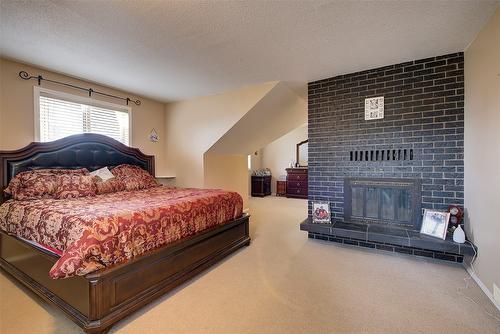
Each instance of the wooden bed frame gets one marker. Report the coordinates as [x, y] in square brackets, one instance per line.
[98, 300]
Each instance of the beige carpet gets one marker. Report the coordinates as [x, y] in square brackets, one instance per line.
[285, 283]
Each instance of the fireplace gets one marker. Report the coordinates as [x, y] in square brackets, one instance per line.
[387, 201]
[410, 159]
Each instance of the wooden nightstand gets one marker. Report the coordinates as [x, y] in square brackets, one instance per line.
[261, 185]
[280, 188]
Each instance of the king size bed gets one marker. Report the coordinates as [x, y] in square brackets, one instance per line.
[99, 258]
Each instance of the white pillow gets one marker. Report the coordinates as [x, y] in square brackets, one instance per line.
[103, 173]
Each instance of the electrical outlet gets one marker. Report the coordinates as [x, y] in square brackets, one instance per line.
[496, 293]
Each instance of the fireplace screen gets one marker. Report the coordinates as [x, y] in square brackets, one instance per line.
[383, 201]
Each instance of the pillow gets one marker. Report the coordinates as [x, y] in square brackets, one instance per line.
[38, 183]
[103, 174]
[74, 186]
[58, 171]
[134, 177]
[110, 186]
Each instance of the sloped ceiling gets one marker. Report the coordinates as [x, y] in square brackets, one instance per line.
[178, 50]
[280, 111]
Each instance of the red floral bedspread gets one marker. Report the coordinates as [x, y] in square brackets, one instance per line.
[95, 232]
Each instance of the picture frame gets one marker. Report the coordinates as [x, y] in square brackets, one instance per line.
[321, 212]
[153, 136]
[435, 223]
[374, 108]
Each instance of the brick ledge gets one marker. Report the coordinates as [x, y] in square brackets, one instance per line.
[378, 236]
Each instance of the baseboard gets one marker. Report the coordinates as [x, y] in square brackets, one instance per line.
[483, 287]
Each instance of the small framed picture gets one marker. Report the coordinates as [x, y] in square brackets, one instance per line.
[321, 212]
[153, 136]
[435, 223]
[374, 108]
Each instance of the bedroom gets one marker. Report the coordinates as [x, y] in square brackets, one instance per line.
[180, 94]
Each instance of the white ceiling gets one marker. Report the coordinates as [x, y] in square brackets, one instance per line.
[178, 50]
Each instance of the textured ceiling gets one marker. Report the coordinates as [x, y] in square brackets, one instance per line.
[177, 50]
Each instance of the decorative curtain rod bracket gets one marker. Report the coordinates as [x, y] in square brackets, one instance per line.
[26, 76]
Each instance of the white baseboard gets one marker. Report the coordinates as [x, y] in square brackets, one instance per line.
[483, 287]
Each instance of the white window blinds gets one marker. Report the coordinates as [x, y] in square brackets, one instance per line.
[61, 117]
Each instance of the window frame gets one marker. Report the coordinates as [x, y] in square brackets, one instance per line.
[37, 91]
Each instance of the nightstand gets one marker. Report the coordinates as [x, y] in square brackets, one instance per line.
[280, 188]
[261, 185]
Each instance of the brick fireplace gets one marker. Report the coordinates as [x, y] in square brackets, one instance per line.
[420, 139]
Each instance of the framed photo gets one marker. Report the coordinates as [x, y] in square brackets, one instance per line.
[321, 212]
[435, 223]
[153, 136]
[374, 108]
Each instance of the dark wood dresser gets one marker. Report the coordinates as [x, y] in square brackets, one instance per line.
[296, 182]
[261, 185]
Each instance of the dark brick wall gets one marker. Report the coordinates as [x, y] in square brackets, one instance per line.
[424, 111]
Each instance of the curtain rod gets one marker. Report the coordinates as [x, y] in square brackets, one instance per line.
[25, 76]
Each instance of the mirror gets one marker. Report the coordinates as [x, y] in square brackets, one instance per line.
[302, 153]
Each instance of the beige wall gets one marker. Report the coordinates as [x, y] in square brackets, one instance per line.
[218, 175]
[256, 160]
[279, 112]
[1, 105]
[223, 129]
[193, 126]
[277, 155]
[187, 129]
[17, 106]
[482, 149]
[255, 163]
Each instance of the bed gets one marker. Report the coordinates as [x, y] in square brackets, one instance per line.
[96, 294]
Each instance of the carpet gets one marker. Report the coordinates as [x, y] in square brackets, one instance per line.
[286, 283]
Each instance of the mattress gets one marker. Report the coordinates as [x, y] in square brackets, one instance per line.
[91, 233]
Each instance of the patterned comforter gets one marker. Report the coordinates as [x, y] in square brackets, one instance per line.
[94, 232]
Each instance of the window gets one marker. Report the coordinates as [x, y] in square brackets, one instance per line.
[58, 115]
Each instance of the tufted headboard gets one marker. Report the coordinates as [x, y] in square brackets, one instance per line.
[88, 150]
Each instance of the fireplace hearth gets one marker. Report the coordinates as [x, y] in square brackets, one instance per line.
[389, 201]
[385, 214]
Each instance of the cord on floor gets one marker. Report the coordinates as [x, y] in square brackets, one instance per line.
[467, 279]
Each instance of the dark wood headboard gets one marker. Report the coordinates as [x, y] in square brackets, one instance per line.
[88, 150]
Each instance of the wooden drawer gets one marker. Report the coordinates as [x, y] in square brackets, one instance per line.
[297, 177]
[297, 184]
[297, 192]
[302, 171]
